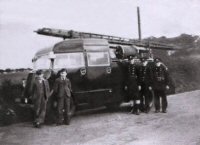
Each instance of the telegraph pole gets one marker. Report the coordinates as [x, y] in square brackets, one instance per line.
[139, 24]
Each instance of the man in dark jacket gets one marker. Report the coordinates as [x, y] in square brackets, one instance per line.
[161, 84]
[145, 85]
[62, 90]
[133, 88]
[41, 93]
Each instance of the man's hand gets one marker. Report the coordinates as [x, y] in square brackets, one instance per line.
[26, 100]
[125, 88]
[150, 88]
[167, 87]
[55, 104]
[139, 88]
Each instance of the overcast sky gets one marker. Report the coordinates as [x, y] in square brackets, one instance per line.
[19, 18]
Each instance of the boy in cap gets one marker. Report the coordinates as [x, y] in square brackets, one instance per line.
[41, 93]
[62, 89]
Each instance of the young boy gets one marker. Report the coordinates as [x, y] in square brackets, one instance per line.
[62, 89]
[41, 94]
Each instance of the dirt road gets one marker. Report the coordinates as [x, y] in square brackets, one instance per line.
[180, 126]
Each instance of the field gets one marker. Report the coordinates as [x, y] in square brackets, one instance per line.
[15, 78]
[10, 89]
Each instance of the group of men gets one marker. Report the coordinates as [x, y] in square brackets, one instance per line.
[147, 81]
[41, 93]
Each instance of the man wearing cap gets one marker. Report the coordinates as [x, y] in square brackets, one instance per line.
[133, 88]
[41, 93]
[62, 90]
[145, 85]
[161, 84]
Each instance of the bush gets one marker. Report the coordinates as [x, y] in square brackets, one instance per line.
[10, 91]
[10, 111]
[185, 73]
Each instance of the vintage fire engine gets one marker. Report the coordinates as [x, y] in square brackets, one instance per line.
[96, 65]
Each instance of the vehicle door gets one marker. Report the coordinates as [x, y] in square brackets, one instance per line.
[98, 74]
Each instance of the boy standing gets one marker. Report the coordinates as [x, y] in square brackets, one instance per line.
[40, 96]
[62, 89]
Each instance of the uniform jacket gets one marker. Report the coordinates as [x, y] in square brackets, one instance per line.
[145, 75]
[132, 82]
[133, 74]
[160, 77]
[62, 88]
[39, 91]
[133, 70]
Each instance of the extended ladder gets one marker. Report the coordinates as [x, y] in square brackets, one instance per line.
[70, 34]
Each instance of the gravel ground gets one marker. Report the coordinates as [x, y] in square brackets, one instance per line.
[180, 126]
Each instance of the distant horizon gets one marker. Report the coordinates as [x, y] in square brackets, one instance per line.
[31, 67]
[15, 68]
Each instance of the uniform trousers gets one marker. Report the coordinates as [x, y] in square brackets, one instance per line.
[160, 94]
[134, 92]
[144, 95]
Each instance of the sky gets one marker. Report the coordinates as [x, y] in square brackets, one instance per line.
[19, 18]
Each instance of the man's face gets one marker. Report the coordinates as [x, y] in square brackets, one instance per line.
[158, 63]
[132, 61]
[63, 74]
[144, 63]
[41, 76]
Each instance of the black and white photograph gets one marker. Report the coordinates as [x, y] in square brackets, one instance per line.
[99, 72]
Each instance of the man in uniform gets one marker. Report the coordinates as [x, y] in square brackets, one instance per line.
[145, 85]
[133, 88]
[41, 93]
[62, 90]
[161, 84]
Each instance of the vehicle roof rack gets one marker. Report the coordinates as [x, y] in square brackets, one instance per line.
[70, 34]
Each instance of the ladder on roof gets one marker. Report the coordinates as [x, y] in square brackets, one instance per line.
[70, 34]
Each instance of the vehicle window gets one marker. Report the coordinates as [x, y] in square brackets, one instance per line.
[112, 53]
[69, 60]
[42, 63]
[98, 59]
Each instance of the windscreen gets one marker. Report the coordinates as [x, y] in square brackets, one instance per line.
[42, 62]
[98, 59]
[69, 60]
